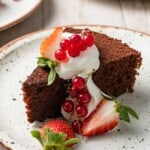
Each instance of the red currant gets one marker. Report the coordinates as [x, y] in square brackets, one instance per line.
[78, 83]
[83, 45]
[76, 126]
[75, 39]
[68, 106]
[73, 91]
[89, 40]
[60, 55]
[65, 44]
[73, 51]
[84, 97]
[81, 110]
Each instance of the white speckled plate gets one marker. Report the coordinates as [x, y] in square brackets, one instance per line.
[18, 59]
[15, 11]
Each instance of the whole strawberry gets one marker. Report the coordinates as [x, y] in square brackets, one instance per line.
[56, 135]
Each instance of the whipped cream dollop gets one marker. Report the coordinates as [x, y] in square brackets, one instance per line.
[95, 93]
[85, 63]
[82, 65]
[96, 97]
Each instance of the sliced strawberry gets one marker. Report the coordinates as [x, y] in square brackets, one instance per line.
[51, 44]
[103, 119]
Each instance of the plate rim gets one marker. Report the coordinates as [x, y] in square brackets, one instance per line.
[21, 18]
[11, 43]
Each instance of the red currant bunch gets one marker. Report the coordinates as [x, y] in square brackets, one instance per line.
[77, 104]
[73, 46]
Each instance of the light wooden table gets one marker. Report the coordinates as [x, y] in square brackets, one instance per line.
[132, 14]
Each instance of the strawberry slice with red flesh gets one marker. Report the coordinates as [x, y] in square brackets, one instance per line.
[106, 117]
[51, 44]
[103, 119]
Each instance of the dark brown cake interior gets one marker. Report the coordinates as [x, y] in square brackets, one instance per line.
[43, 101]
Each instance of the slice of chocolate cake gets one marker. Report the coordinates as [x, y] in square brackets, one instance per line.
[43, 101]
[119, 64]
[116, 75]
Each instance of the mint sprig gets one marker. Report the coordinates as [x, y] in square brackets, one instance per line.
[54, 141]
[45, 62]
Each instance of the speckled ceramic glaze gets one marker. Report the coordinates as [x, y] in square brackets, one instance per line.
[18, 59]
[13, 12]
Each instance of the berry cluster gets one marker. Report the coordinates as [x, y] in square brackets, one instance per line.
[73, 46]
[80, 97]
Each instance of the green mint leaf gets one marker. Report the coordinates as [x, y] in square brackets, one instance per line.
[131, 112]
[51, 76]
[42, 65]
[42, 62]
[45, 62]
[55, 64]
[42, 59]
[72, 141]
[50, 64]
[36, 134]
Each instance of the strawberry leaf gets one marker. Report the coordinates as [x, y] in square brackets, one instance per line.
[47, 147]
[125, 111]
[54, 141]
[36, 134]
[131, 112]
[124, 115]
[71, 141]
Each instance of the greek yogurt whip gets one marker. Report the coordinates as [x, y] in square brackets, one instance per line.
[82, 66]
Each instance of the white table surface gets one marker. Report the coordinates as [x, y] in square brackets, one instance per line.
[132, 14]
